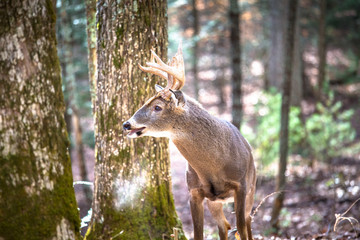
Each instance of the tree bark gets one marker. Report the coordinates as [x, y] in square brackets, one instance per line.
[297, 72]
[132, 195]
[322, 45]
[236, 79]
[220, 79]
[277, 19]
[195, 58]
[37, 199]
[285, 107]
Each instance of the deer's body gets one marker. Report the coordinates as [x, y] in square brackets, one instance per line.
[220, 162]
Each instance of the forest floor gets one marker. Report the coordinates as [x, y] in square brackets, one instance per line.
[313, 197]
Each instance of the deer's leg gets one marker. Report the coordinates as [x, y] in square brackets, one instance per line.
[248, 226]
[216, 210]
[197, 213]
[249, 204]
[240, 196]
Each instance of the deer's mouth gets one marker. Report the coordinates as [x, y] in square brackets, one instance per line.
[136, 132]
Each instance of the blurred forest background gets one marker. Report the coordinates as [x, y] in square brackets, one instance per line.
[324, 125]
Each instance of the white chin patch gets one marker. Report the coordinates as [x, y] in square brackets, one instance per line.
[157, 134]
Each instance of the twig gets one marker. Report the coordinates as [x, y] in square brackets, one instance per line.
[340, 217]
[262, 202]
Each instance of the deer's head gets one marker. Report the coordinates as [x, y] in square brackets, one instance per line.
[157, 116]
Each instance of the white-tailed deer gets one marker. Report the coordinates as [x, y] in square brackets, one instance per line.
[220, 162]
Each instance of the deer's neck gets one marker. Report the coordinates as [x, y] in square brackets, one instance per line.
[197, 136]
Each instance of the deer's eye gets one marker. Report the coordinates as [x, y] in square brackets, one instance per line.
[157, 108]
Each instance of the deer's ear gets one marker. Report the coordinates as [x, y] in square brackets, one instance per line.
[158, 88]
[179, 98]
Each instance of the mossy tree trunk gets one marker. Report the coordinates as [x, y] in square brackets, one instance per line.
[37, 198]
[132, 196]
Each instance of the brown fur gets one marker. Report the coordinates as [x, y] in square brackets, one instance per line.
[220, 162]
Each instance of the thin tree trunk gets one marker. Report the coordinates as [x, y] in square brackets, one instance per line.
[91, 40]
[220, 80]
[195, 58]
[322, 45]
[285, 107]
[37, 199]
[297, 72]
[132, 195]
[275, 71]
[68, 71]
[236, 79]
[79, 150]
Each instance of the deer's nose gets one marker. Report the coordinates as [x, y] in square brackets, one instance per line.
[126, 126]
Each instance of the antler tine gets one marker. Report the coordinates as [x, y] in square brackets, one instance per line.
[178, 63]
[173, 72]
[175, 68]
[154, 71]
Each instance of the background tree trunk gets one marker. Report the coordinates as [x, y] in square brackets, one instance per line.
[297, 72]
[285, 107]
[220, 79]
[275, 70]
[37, 198]
[235, 51]
[68, 72]
[132, 195]
[322, 45]
[195, 58]
[91, 41]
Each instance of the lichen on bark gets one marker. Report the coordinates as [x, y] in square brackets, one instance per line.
[132, 195]
[37, 199]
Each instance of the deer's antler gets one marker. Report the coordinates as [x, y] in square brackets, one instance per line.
[173, 72]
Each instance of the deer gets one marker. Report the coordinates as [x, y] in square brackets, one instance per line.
[220, 164]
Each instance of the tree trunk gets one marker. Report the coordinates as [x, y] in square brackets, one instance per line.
[277, 19]
[297, 72]
[195, 48]
[322, 45]
[68, 71]
[132, 195]
[236, 79]
[220, 79]
[79, 150]
[37, 199]
[285, 107]
[91, 40]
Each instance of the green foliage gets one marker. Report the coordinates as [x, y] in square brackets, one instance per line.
[266, 143]
[329, 130]
[326, 134]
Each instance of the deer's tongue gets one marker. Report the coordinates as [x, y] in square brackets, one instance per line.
[136, 130]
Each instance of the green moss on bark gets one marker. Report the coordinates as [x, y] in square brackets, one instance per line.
[132, 180]
[34, 216]
[37, 199]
